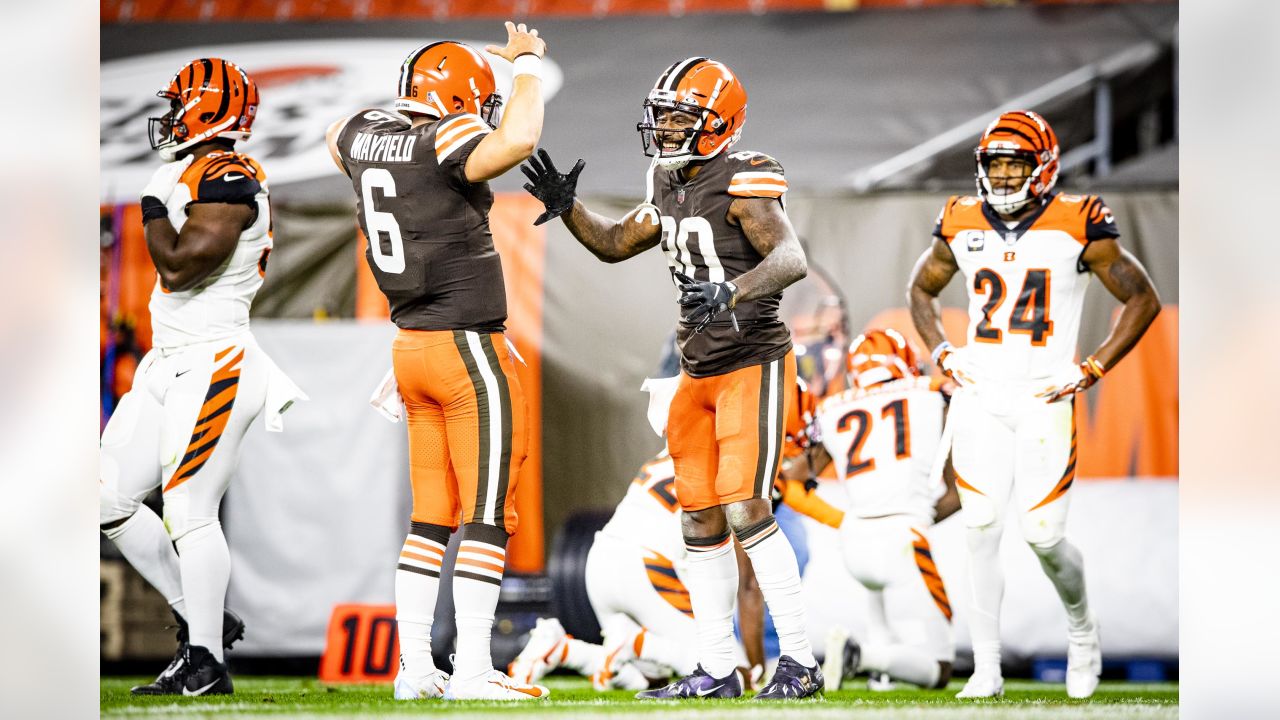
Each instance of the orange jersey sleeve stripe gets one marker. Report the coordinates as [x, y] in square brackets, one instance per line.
[446, 137]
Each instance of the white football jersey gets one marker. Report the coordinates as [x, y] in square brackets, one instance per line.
[1026, 284]
[649, 514]
[219, 306]
[883, 441]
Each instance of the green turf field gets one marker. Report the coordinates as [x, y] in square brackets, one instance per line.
[278, 697]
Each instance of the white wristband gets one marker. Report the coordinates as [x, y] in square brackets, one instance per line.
[527, 64]
[938, 350]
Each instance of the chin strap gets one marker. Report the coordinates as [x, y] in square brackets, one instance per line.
[649, 211]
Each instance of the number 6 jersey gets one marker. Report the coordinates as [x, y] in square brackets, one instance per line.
[428, 227]
[1026, 283]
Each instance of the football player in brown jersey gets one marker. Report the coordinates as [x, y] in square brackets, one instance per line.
[719, 218]
[420, 176]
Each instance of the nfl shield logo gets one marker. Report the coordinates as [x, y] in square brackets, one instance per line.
[680, 195]
[1010, 237]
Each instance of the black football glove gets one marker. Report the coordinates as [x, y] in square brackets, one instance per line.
[703, 301]
[554, 189]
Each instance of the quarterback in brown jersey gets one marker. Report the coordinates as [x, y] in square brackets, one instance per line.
[420, 176]
[719, 217]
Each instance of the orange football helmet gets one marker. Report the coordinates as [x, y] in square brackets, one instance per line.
[447, 77]
[880, 356]
[804, 407]
[1024, 135]
[208, 98]
[709, 91]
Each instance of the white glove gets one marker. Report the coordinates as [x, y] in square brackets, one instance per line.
[955, 364]
[166, 179]
[1076, 379]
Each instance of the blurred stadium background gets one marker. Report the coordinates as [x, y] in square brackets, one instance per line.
[873, 108]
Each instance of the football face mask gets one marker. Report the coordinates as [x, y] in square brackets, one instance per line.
[670, 130]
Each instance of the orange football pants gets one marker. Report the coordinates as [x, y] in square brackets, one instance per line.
[725, 433]
[467, 425]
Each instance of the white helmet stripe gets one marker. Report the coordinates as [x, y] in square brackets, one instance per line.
[677, 73]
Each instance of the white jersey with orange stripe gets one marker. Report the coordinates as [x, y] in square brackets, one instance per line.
[649, 514]
[883, 442]
[218, 307]
[1026, 283]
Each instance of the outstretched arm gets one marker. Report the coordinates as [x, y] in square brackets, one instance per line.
[767, 227]
[931, 274]
[1128, 281]
[517, 135]
[611, 240]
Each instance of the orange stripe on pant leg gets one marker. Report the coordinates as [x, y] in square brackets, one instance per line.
[962, 483]
[929, 572]
[1068, 475]
[212, 419]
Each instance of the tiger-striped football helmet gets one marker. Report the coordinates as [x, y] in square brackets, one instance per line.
[879, 356]
[1022, 135]
[208, 98]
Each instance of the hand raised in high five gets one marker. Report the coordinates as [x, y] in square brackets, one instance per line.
[554, 188]
[520, 40]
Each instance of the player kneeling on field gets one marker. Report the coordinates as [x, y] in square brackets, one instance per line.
[884, 434]
[633, 578]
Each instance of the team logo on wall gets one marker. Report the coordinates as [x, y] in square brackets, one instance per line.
[304, 86]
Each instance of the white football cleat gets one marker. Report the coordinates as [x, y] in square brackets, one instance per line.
[493, 685]
[984, 684]
[547, 648]
[1084, 661]
[833, 665]
[424, 688]
[623, 642]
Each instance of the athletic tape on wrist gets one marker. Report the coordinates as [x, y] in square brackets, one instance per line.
[937, 351]
[527, 64]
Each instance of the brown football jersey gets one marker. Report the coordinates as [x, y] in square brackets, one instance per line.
[428, 227]
[700, 242]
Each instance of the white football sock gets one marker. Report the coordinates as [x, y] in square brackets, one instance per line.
[671, 652]
[206, 569]
[1064, 565]
[477, 581]
[712, 580]
[986, 584]
[902, 662]
[145, 544]
[417, 585]
[778, 575]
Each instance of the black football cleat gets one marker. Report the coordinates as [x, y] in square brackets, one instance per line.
[170, 680]
[204, 675]
[792, 681]
[697, 685]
